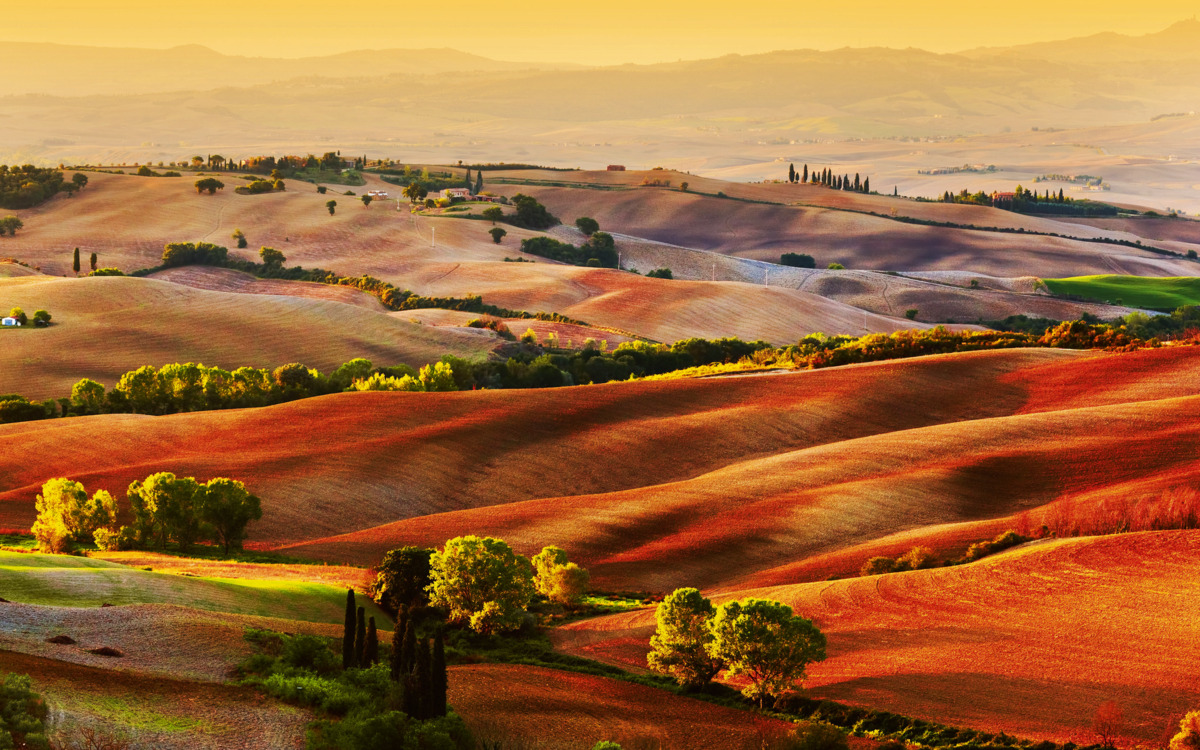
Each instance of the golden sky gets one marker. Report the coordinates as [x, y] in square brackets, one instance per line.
[609, 32]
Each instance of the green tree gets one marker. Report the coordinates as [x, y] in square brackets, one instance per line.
[271, 257]
[493, 213]
[87, 397]
[764, 642]
[414, 192]
[478, 181]
[366, 200]
[80, 180]
[482, 583]
[348, 632]
[531, 214]
[10, 225]
[497, 233]
[356, 369]
[557, 579]
[240, 237]
[587, 225]
[19, 314]
[331, 205]
[228, 508]
[401, 578]
[681, 641]
[59, 508]
[371, 651]
[209, 184]
[322, 189]
[75, 263]
[170, 508]
[360, 637]
[93, 261]
[440, 681]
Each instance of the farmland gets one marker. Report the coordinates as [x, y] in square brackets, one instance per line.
[1151, 293]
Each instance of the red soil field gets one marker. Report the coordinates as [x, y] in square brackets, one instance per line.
[563, 710]
[1030, 642]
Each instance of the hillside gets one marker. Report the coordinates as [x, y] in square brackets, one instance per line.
[124, 323]
[1028, 642]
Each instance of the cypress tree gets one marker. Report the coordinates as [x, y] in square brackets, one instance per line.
[468, 179]
[478, 181]
[411, 703]
[76, 260]
[804, 178]
[440, 681]
[348, 632]
[866, 184]
[791, 173]
[93, 261]
[857, 183]
[398, 642]
[408, 651]
[424, 675]
[845, 182]
[360, 638]
[1060, 195]
[371, 650]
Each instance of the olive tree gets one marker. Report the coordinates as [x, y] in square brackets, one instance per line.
[482, 583]
[763, 641]
[681, 640]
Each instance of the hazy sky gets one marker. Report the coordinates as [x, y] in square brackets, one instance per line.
[610, 32]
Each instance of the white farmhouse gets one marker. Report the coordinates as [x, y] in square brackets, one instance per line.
[9, 322]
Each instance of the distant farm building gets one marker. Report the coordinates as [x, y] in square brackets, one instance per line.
[616, 167]
[1003, 198]
[10, 322]
[377, 193]
[457, 194]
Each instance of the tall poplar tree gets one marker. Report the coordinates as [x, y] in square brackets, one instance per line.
[360, 638]
[76, 266]
[804, 178]
[348, 632]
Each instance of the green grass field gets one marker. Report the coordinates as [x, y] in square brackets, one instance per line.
[65, 581]
[1133, 291]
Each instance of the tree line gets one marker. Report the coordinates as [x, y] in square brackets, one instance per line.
[827, 178]
[27, 186]
[164, 509]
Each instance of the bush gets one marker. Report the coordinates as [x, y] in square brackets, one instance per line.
[660, 273]
[797, 260]
[587, 225]
[911, 313]
[836, 267]
[816, 736]
[107, 272]
[878, 566]
[22, 714]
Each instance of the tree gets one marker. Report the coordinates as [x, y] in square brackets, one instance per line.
[467, 182]
[679, 646]
[414, 192]
[240, 237]
[366, 200]
[401, 578]
[498, 233]
[93, 260]
[557, 579]
[75, 263]
[79, 180]
[321, 189]
[331, 205]
[19, 314]
[791, 173]
[482, 583]
[228, 507]
[397, 643]
[587, 225]
[209, 184]
[360, 637]
[493, 213]
[478, 181]
[168, 507]
[1189, 733]
[1108, 723]
[87, 397]
[441, 682]
[59, 508]
[804, 177]
[683, 186]
[348, 632]
[531, 214]
[763, 641]
[271, 257]
[408, 648]
[9, 225]
[866, 185]
[371, 650]
[142, 390]
[797, 260]
[424, 675]
[660, 273]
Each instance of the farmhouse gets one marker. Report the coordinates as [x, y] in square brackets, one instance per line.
[616, 167]
[457, 194]
[9, 322]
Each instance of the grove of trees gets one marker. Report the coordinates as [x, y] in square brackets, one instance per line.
[164, 508]
[599, 251]
[28, 186]
[758, 639]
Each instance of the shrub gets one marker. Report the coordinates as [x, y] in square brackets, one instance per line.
[911, 313]
[107, 272]
[587, 225]
[797, 260]
[660, 273]
[1189, 733]
[878, 566]
[916, 558]
[816, 736]
[22, 714]
[836, 267]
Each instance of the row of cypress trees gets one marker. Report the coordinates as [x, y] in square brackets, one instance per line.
[827, 178]
[418, 665]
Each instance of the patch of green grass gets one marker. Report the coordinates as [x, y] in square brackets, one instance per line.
[18, 542]
[139, 713]
[61, 580]
[326, 177]
[1133, 291]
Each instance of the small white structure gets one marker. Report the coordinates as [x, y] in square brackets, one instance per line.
[10, 322]
[461, 194]
[377, 193]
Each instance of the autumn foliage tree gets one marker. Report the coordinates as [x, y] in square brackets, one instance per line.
[763, 641]
[681, 640]
[1189, 733]
[481, 583]
[557, 579]
[1108, 723]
